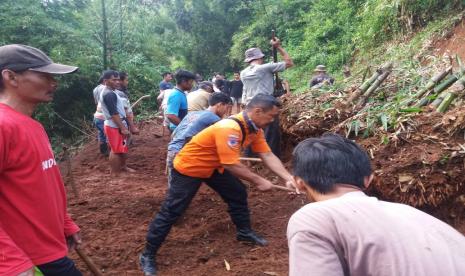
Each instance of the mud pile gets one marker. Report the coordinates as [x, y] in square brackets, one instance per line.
[420, 163]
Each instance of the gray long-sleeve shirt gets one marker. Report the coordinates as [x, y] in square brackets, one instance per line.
[359, 235]
[258, 79]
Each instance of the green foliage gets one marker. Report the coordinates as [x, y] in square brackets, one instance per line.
[333, 32]
[148, 37]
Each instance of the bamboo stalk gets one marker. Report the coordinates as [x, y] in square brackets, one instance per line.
[438, 89]
[433, 82]
[364, 86]
[370, 81]
[367, 71]
[381, 78]
[445, 84]
[438, 100]
[448, 99]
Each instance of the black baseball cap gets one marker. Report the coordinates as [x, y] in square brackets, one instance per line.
[17, 57]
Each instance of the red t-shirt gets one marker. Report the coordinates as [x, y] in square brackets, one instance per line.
[33, 217]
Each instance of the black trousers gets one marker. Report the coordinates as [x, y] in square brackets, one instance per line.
[61, 267]
[273, 139]
[180, 194]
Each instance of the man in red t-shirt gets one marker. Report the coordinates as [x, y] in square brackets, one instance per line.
[35, 227]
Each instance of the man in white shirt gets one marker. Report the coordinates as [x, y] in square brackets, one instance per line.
[346, 232]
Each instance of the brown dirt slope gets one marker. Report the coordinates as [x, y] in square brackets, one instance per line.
[422, 165]
[453, 43]
[114, 213]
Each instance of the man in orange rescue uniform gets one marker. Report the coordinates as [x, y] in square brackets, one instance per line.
[212, 156]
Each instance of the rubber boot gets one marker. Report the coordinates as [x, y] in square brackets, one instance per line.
[248, 235]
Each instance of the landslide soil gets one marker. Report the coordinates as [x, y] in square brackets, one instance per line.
[114, 214]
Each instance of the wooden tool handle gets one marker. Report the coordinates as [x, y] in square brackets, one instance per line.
[90, 264]
[250, 159]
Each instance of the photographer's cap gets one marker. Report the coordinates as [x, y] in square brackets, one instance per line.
[17, 57]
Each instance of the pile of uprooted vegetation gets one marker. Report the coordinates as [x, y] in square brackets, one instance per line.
[417, 147]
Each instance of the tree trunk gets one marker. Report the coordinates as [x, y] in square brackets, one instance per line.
[121, 25]
[105, 36]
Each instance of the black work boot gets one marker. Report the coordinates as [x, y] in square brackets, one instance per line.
[147, 264]
[248, 235]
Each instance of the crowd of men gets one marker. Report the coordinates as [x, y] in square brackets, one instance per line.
[342, 232]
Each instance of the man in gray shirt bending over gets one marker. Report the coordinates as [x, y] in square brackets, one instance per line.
[258, 79]
[346, 232]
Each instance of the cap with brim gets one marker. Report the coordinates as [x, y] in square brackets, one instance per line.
[55, 68]
[320, 68]
[253, 54]
[17, 57]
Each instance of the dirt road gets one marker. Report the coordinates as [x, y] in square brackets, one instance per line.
[114, 214]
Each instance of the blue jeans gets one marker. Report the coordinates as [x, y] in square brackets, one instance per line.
[101, 134]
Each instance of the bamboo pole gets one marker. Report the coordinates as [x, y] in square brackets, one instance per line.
[367, 71]
[445, 84]
[364, 86]
[381, 78]
[438, 90]
[433, 82]
[448, 99]
[438, 100]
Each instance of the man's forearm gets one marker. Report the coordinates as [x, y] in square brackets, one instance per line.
[117, 120]
[130, 118]
[173, 119]
[241, 171]
[287, 59]
[275, 165]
